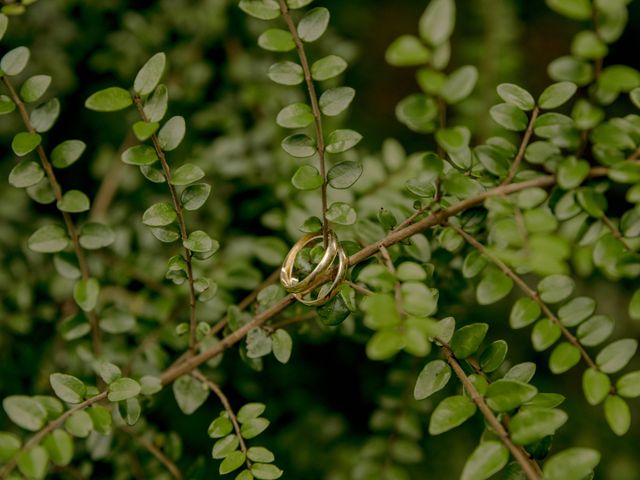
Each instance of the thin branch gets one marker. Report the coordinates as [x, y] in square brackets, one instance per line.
[225, 403]
[397, 287]
[616, 232]
[313, 97]
[182, 225]
[68, 220]
[409, 220]
[528, 291]
[290, 321]
[359, 288]
[523, 147]
[156, 452]
[57, 423]
[530, 468]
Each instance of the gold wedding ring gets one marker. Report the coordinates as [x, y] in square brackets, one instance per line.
[302, 287]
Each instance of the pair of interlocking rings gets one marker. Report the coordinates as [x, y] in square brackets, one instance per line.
[302, 288]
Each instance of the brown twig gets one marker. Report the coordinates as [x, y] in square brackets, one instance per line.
[68, 220]
[182, 225]
[225, 403]
[313, 97]
[531, 293]
[523, 147]
[57, 423]
[616, 232]
[156, 452]
[529, 467]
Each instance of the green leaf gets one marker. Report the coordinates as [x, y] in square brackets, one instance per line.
[172, 133]
[190, 394]
[336, 100]
[595, 330]
[466, 340]
[156, 106]
[588, 45]
[286, 73]
[281, 345]
[194, 196]
[224, 446]
[493, 287]
[453, 139]
[544, 334]
[509, 116]
[572, 172]
[313, 25]
[340, 141]
[344, 174]
[14, 61]
[299, 146]
[575, 9]
[33, 463]
[460, 84]
[437, 22]
[159, 215]
[522, 372]
[407, 51]
[571, 69]
[532, 424]
[297, 115]
[564, 357]
[596, 386]
[110, 99]
[232, 462]
[618, 415]
[276, 40]
[143, 130]
[505, 395]
[25, 142]
[150, 385]
[74, 201]
[67, 387]
[85, 293]
[557, 95]
[434, 377]
[150, 74]
[616, 356]
[516, 96]
[524, 312]
[26, 174]
[94, 236]
[25, 412]
[262, 9]
[450, 413]
[341, 213]
[79, 424]
[4, 23]
[294, 4]
[493, 356]
[254, 427]
[555, 288]
[44, 117]
[629, 385]
[6, 105]
[573, 463]
[122, 389]
[265, 471]
[48, 239]
[10, 444]
[140, 155]
[67, 153]
[199, 242]
[260, 454]
[220, 427]
[385, 344]
[418, 112]
[488, 458]
[59, 446]
[250, 411]
[328, 67]
[307, 178]
[108, 371]
[418, 299]
[33, 88]
[619, 78]
[187, 174]
[635, 96]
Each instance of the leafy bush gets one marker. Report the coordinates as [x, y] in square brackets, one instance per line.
[123, 290]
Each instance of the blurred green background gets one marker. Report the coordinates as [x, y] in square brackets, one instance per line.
[321, 403]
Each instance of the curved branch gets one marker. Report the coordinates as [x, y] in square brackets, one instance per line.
[68, 220]
[523, 147]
